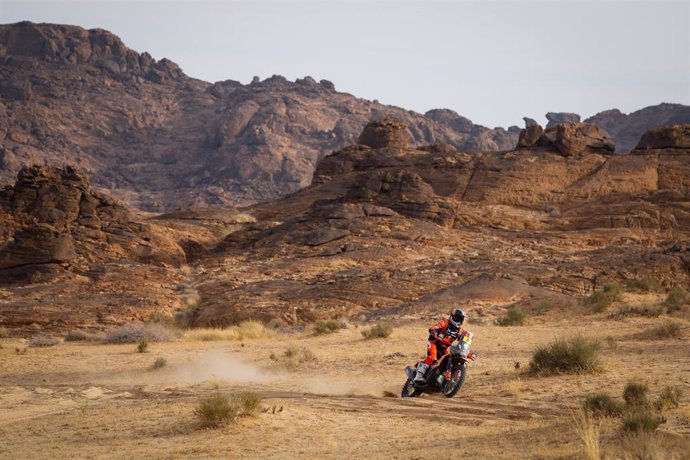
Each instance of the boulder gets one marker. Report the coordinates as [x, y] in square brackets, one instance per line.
[575, 138]
[530, 136]
[665, 137]
[530, 122]
[385, 132]
[557, 118]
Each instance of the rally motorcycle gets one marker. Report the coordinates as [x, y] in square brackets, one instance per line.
[446, 375]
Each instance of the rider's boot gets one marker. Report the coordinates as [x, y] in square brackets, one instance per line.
[421, 370]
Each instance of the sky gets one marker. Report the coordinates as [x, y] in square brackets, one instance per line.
[491, 61]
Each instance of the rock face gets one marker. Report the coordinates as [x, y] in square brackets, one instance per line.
[626, 129]
[569, 138]
[157, 139]
[575, 138]
[666, 137]
[556, 119]
[385, 133]
[52, 219]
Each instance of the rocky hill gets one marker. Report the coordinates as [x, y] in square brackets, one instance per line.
[158, 139]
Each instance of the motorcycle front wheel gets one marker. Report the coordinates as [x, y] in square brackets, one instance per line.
[451, 387]
[409, 390]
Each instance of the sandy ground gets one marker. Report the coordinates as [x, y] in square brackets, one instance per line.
[78, 400]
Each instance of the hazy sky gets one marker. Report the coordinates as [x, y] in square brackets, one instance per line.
[491, 61]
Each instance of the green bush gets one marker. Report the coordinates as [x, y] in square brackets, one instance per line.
[640, 421]
[513, 317]
[669, 398]
[381, 330]
[635, 396]
[646, 284]
[602, 405]
[577, 354]
[667, 330]
[676, 298]
[326, 327]
[599, 301]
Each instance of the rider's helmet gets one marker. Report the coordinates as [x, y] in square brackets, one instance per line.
[457, 317]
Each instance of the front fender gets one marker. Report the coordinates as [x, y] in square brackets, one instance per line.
[410, 372]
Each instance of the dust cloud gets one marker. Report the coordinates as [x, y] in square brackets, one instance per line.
[220, 365]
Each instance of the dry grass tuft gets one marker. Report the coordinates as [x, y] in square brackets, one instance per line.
[602, 405]
[638, 421]
[326, 327]
[3, 332]
[574, 355]
[588, 432]
[676, 298]
[219, 409]
[599, 301]
[635, 396]
[43, 341]
[142, 345]
[669, 398]
[159, 363]
[514, 317]
[645, 284]
[667, 330]
[246, 330]
[79, 335]
[134, 332]
[380, 330]
[243, 218]
[647, 311]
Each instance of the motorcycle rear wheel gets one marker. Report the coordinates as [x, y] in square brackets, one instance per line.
[409, 390]
[451, 387]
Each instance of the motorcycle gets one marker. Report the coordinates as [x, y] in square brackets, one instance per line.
[446, 375]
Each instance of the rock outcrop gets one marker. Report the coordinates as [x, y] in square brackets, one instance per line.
[559, 118]
[666, 137]
[568, 138]
[385, 133]
[53, 220]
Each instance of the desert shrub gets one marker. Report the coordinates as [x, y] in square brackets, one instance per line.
[210, 334]
[669, 398]
[142, 345]
[514, 317]
[80, 335]
[667, 330]
[637, 421]
[599, 301]
[134, 332]
[577, 354]
[676, 298]
[43, 341]
[159, 363]
[380, 330]
[190, 299]
[326, 327]
[247, 402]
[298, 355]
[243, 218]
[3, 332]
[183, 318]
[635, 396]
[218, 409]
[640, 446]
[602, 405]
[645, 284]
[647, 311]
[248, 330]
[542, 307]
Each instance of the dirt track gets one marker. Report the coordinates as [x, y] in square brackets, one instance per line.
[82, 400]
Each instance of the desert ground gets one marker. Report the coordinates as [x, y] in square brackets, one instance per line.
[92, 400]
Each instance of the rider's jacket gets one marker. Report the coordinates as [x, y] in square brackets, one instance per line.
[445, 332]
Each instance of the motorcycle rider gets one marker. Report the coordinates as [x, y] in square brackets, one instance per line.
[441, 336]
